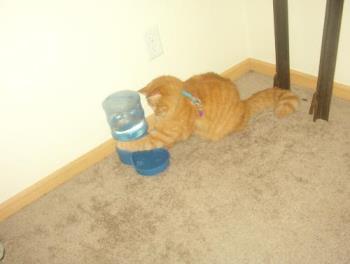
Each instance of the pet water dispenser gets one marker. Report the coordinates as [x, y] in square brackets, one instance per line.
[126, 120]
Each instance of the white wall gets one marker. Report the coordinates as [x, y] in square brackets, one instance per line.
[306, 20]
[60, 59]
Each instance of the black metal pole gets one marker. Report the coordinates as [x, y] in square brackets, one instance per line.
[280, 11]
[321, 101]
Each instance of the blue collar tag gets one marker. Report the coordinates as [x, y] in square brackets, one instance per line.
[195, 101]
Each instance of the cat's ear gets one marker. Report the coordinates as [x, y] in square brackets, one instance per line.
[153, 99]
[144, 90]
[153, 94]
[151, 90]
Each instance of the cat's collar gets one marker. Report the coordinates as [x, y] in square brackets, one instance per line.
[195, 101]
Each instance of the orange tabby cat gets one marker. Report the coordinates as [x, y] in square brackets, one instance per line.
[206, 105]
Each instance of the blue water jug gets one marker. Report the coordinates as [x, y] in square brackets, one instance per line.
[125, 115]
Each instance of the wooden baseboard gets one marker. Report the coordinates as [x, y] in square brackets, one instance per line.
[64, 174]
[55, 179]
[237, 70]
[298, 78]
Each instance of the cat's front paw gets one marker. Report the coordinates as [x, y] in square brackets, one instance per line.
[126, 145]
[135, 145]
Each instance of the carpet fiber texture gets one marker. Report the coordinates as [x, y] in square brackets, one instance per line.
[277, 192]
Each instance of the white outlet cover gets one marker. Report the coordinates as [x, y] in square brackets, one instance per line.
[153, 43]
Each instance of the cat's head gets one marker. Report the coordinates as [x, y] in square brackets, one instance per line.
[162, 94]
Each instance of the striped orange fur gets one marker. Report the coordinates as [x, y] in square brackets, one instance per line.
[176, 118]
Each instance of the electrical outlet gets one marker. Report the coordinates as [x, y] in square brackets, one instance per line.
[153, 43]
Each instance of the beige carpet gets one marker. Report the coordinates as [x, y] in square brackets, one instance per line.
[278, 192]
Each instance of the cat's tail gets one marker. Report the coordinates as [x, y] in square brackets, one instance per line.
[283, 102]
